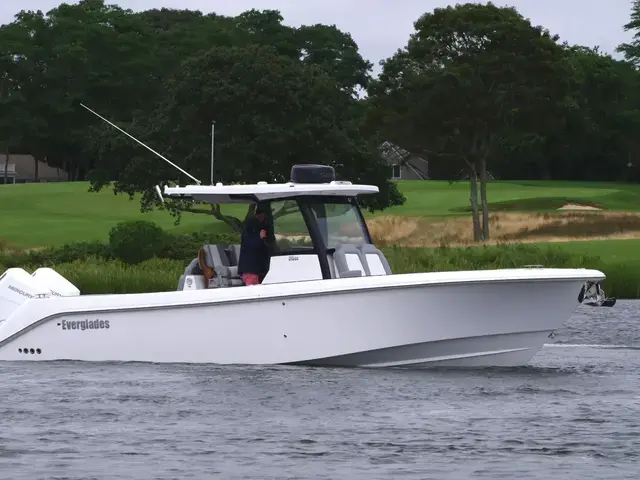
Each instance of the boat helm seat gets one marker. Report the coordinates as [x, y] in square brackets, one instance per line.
[375, 260]
[233, 252]
[216, 267]
[350, 262]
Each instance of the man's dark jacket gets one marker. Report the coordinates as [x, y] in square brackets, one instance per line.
[254, 251]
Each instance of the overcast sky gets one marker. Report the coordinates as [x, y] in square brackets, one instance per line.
[379, 27]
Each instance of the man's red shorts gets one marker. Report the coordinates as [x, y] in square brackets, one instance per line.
[250, 279]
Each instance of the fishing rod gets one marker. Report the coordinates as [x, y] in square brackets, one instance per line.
[145, 146]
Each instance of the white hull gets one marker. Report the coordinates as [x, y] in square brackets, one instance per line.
[481, 318]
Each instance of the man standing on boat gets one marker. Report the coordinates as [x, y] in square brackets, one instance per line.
[254, 260]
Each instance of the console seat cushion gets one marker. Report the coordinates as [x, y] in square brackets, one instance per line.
[349, 261]
[214, 262]
[233, 253]
[375, 260]
[193, 268]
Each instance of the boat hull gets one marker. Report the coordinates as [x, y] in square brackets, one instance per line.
[416, 321]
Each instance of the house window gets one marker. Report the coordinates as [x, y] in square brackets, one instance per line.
[395, 171]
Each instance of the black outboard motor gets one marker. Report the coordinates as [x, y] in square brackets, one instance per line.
[593, 295]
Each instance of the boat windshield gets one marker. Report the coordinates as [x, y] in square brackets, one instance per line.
[339, 221]
[290, 229]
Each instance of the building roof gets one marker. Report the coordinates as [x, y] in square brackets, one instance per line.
[393, 153]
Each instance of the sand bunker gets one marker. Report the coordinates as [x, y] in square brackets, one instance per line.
[577, 206]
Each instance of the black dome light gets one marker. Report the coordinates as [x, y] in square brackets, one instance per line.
[310, 173]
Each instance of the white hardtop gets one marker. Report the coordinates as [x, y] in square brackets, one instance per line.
[220, 193]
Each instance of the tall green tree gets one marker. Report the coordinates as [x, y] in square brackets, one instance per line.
[602, 123]
[15, 120]
[22, 57]
[336, 53]
[271, 112]
[631, 50]
[129, 66]
[593, 135]
[468, 74]
[73, 53]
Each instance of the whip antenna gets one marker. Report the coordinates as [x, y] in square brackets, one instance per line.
[145, 146]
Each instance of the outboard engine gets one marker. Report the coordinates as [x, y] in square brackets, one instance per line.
[16, 287]
[59, 286]
[593, 295]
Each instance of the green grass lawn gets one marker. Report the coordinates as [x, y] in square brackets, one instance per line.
[34, 215]
[437, 198]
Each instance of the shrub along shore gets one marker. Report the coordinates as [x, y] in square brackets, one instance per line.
[142, 257]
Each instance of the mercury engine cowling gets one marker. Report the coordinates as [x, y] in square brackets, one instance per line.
[59, 286]
[16, 287]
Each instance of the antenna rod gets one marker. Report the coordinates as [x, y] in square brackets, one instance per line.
[148, 148]
[213, 132]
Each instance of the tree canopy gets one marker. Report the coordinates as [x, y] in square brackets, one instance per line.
[477, 90]
[279, 95]
[470, 77]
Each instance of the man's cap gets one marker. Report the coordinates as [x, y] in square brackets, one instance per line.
[260, 209]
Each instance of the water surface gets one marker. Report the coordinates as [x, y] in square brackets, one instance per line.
[574, 413]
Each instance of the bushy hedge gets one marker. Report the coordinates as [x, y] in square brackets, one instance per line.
[137, 241]
[129, 243]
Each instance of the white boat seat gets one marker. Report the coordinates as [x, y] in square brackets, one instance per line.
[192, 269]
[375, 260]
[349, 261]
[215, 264]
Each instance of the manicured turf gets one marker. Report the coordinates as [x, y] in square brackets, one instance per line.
[34, 215]
[427, 198]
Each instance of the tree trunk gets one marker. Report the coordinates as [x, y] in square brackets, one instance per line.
[36, 168]
[473, 184]
[483, 199]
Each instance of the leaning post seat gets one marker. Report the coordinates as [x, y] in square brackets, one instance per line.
[192, 269]
[233, 252]
[217, 268]
[350, 262]
[375, 260]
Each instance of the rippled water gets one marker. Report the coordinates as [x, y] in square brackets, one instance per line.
[574, 413]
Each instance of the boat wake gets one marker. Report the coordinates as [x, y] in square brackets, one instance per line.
[591, 345]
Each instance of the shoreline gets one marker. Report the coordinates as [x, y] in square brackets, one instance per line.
[101, 273]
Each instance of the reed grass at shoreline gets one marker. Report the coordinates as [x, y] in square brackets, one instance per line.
[95, 275]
